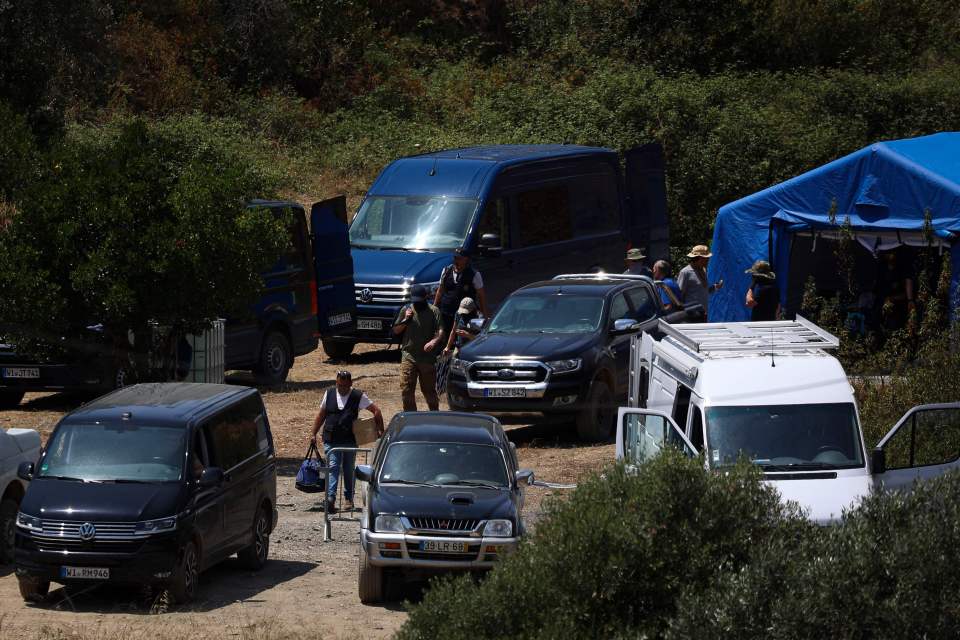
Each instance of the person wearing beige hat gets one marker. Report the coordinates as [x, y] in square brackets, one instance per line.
[636, 263]
[763, 297]
[693, 279]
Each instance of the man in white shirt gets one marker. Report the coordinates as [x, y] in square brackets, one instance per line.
[341, 406]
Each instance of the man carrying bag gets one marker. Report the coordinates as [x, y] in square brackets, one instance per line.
[341, 406]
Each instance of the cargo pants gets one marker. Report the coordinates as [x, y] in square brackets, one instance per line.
[410, 372]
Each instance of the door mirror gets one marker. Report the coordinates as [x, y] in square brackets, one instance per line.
[210, 477]
[878, 461]
[524, 476]
[476, 324]
[624, 325]
[25, 471]
[364, 472]
[490, 245]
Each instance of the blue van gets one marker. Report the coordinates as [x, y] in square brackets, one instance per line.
[524, 212]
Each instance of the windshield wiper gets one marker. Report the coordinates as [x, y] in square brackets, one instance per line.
[66, 478]
[477, 483]
[414, 483]
[795, 466]
[131, 481]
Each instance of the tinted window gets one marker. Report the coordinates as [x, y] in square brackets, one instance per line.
[544, 215]
[444, 463]
[495, 220]
[235, 434]
[644, 306]
[594, 200]
[928, 437]
[548, 314]
[619, 308]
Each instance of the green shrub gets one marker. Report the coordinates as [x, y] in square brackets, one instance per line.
[616, 557]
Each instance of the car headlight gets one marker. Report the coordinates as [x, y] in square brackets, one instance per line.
[28, 522]
[565, 366]
[388, 524]
[155, 526]
[459, 366]
[431, 288]
[498, 529]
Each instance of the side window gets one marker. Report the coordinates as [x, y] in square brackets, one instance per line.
[929, 437]
[595, 200]
[294, 256]
[644, 307]
[234, 434]
[681, 405]
[200, 457]
[619, 308]
[696, 428]
[544, 215]
[644, 436]
[494, 219]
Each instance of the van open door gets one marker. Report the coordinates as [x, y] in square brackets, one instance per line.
[643, 434]
[647, 226]
[333, 267]
[924, 444]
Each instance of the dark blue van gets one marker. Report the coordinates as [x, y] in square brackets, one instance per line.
[525, 213]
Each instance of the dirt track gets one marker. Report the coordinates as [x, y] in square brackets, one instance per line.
[308, 588]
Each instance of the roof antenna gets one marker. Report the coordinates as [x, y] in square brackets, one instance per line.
[433, 169]
[773, 363]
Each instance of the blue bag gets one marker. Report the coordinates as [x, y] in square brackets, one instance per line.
[309, 479]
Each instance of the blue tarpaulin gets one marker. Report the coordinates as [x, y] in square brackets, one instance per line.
[884, 190]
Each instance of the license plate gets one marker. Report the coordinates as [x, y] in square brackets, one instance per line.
[442, 546]
[368, 323]
[85, 573]
[505, 392]
[21, 372]
[339, 318]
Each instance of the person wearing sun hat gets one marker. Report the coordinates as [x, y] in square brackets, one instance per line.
[636, 265]
[763, 296]
[692, 279]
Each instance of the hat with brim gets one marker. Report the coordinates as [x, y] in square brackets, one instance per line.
[467, 306]
[700, 251]
[635, 254]
[762, 269]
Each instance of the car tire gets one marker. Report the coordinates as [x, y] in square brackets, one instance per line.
[596, 419]
[32, 588]
[370, 579]
[254, 556]
[10, 399]
[276, 357]
[186, 577]
[338, 350]
[8, 528]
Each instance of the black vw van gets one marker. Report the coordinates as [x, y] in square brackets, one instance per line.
[149, 485]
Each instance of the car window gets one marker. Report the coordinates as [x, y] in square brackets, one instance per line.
[595, 200]
[494, 220]
[619, 308]
[444, 463]
[567, 313]
[929, 437]
[644, 306]
[544, 215]
[235, 433]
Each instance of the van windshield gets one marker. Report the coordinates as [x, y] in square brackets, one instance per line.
[111, 453]
[785, 437]
[412, 222]
[558, 313]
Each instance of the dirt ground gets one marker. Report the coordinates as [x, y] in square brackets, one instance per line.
[309, 587]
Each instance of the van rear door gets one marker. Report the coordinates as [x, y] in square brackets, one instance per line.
[647, 225]
[924, 444]
[333, 267]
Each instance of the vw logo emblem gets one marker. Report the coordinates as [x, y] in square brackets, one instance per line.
[366, 295]
[87, 532]
[505, 373]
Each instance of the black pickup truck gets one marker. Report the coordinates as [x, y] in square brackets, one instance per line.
[561, 346]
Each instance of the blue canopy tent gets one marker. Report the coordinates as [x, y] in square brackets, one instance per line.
[884, 190]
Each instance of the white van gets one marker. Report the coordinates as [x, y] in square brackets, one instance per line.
[769, 391]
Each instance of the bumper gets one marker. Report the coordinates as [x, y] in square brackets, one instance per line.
[555, 395]
[149, 562]
[482, 553]
[55, 377]
[374, 325]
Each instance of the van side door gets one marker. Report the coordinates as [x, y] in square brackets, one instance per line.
[648, 225]
[336, 304]
[207, 503]
[243, 450]
[495, 262]
[642, 434]
[924, 444]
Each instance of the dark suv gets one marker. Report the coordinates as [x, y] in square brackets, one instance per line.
[149, 485]
[560, 346]
[444, 492]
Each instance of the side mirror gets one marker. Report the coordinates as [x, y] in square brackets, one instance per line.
[524, 476]
[624, 325]
[490, 245]
[878, 461]
[364, 472]
[210, 477]
[477, 323]
[25, 471]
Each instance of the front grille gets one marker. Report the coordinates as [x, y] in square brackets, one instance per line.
[392, 294]
[104, 530]
[65, 545]
[508, 372]
[444, 525]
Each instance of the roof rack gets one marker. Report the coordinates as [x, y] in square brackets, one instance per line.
[751, 337]
[601, 276]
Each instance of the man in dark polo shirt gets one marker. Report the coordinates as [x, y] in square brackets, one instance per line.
[458, 281]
